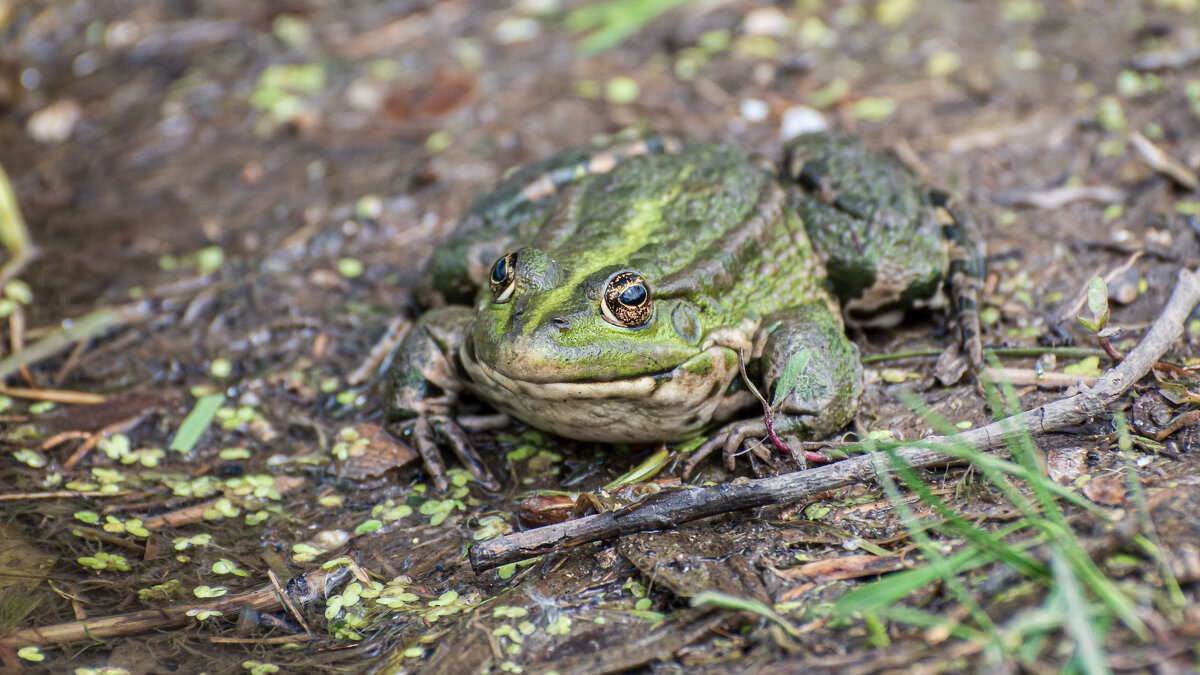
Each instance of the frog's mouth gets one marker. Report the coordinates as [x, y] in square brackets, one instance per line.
[669, 405]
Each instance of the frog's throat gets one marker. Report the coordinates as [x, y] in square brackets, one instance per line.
[668, 406]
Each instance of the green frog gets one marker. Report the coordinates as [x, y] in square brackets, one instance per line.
[614, 293]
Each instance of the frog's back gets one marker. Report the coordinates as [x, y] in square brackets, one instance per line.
[704, 221]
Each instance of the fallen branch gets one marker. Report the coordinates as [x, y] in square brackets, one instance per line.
[265, 599]
[672, 508]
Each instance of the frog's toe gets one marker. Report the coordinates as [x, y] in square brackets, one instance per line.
[426, 434]
[699, 454]
[457, 439]
[730, 440]
[422, 435]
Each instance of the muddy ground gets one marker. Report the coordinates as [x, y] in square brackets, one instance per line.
[253, 187]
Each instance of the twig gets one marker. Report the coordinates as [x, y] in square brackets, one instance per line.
[1160, 161]
[61, 494]
[114, 428]
[384, 347]
[275, 640]
[1176, 58]
[52, 395]
[1027, 376]
[264, 599]
[1059, 196]
[673, 507]
[1183, 421]
[86, 327]
[287, 602]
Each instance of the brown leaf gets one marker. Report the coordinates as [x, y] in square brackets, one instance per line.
[539, 510]
[444, 92]
[381, 454]
[845, 567]
[1106, 491]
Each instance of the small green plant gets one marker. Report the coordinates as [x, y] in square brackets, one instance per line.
[1076, 595]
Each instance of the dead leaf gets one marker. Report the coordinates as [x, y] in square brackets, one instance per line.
[1106, 491]
[381, 453]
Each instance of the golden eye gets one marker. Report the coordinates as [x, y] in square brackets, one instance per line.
[626, 301]
[504, 272]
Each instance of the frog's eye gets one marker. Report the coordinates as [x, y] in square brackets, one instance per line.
[626, 300]
[504, 272]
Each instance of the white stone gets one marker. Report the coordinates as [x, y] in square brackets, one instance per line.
[801, 119]
[55, 123]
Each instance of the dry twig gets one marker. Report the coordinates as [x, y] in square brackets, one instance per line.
[264, 599]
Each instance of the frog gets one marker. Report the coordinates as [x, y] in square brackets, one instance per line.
[627, 290]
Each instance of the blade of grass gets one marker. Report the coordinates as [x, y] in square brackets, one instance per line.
[985, 460]
[915, 617]
[893, 587]
[196, 422]
[615, 20]
[644, 471]
[1152, 546]
[1082, 565]
[957, 525]
[726, 601]
[1078, 615]
[932, 555]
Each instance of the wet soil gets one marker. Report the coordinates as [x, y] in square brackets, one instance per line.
[258, 184]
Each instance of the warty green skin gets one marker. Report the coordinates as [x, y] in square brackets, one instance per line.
[730, 267]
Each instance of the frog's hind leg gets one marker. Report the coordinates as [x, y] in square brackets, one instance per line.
[826, 390]
[888, 240]
[965, 272]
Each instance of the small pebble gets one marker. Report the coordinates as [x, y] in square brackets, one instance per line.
[511, 31]
[766, 21]
[366, 94]
[55, 123]
[755, 110]
[799, 120]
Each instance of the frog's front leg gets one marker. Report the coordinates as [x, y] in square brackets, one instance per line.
[426, 384]
[826, 392]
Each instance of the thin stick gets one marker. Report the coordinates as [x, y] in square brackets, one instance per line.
[673, 507]
[86, 327]
[264, 599]
[287, 602]
[53, 395]
[379, 352]
[61, 494]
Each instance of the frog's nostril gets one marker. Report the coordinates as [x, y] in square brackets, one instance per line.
[560, 323]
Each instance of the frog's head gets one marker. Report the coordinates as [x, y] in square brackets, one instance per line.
[541, 323]
[594, 353]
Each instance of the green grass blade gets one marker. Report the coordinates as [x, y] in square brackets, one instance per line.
[1078, 616]
[916, 617]
[934, 557]
[956, 524]
[892, 588]
[196, 422]
[726, 601]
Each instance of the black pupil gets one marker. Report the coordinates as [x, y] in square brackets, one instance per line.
[500, 270]
[633, 296]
